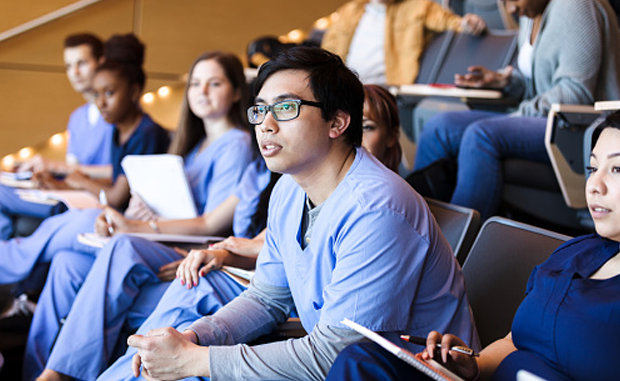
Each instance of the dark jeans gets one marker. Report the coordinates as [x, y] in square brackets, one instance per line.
[479, 141]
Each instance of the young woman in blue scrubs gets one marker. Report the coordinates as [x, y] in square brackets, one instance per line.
[567, 325]
[118, 83]
[130, 274]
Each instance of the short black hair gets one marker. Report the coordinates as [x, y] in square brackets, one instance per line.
[94, 42]
[331, 82]
[124, 54]
[611, 121]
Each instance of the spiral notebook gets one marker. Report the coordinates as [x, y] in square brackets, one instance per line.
[431, 368]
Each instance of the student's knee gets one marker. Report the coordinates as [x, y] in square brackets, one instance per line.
[437, 126]
[69, 266]
[438, 140]
[480, 137]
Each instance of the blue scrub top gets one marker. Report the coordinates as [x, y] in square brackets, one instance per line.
[255, 179]
[376, 256]
[568, 322]
[147, 139]
[89, 144]
[213, 174]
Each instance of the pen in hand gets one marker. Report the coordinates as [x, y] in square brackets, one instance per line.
[103, 200]
[422, 341]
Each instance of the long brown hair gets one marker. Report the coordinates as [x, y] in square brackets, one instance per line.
[383, 109]
[190, 129]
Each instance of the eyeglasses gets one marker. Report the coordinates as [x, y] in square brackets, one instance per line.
[281, 111]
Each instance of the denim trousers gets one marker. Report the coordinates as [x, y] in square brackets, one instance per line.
[479, 141]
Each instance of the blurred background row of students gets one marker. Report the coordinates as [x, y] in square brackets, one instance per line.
[229, 180]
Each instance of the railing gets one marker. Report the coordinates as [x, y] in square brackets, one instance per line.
[64, 11]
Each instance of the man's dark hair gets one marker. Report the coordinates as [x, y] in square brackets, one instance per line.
[94, 42]
[331, 82]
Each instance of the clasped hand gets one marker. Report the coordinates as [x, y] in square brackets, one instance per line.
[167, 354]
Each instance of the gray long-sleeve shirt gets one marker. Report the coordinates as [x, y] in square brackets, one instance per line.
[255, 313]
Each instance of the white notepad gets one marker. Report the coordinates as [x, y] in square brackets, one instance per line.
[160, 181]
[95, 240]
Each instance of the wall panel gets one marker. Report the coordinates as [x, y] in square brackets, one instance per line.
[36, 99]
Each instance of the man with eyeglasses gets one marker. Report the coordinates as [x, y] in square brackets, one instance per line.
[346, 238]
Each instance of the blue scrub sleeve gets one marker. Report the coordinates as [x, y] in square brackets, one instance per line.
[227, 171]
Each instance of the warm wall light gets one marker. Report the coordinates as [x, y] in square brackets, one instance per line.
[148, 98]
[163, 91]
[57, 139]
[322, 23]
[25, 153]
[295, 35]
[8, 162]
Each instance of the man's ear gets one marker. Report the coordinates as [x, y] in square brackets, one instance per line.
[340, 123]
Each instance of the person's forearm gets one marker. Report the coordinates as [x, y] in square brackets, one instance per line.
[493, 355]
[308, 358]
[256, 312]
[217, 222]
[118, 193]
[243, 262]
[95, 186]
[191, 226]
[58, 167]
[96, 171]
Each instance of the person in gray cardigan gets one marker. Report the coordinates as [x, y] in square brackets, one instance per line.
[569, 52]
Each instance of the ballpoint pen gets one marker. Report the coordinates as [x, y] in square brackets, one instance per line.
[103, 200]
[456, 348]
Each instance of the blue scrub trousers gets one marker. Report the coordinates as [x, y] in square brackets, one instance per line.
[117, 295]
[480, 140]
[12, 205]
[65, 277]
[19, 256]
[178, 308]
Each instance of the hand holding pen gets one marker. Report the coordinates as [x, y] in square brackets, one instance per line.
[457, 348]
[103, 200]
[453, 351]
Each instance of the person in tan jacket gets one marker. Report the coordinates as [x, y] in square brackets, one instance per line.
[399, 28]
